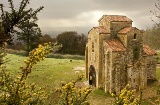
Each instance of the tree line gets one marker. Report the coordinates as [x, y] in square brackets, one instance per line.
[152, 37]
[71, 41]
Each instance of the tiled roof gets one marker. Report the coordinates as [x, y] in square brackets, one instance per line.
[127, 29]
[102, 29]
[115, 18]
[115, 45]
[148, 50]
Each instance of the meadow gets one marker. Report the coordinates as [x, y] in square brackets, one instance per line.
[49, 72]
[52, 71]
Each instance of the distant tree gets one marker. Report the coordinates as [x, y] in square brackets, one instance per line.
[46, 38]
[69, 42]
[19, 46]
[72, 43]
[11, 18]
[82, 44]
[54, 40]
[156, 13]
[152, 36]
[29, 33]
[16, 46]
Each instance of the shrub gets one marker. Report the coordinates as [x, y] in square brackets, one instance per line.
[15, 91]
[127, 97]
[70, 95]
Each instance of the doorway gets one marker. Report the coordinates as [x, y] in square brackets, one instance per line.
[92, 76]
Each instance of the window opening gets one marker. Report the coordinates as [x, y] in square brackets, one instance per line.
[92, 47]
[135, 36]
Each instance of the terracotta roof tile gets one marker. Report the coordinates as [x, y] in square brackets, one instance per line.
[115, 18]
[148, 50]
[115, 45]
[101, 29]
[127, 29]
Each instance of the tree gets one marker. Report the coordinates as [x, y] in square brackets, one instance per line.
[155, 13]
[69, 42]
[29, 33]
[16, 46]
[46, 38]
[82, 44]
[72, 43]
[10, 19]
[152, 36]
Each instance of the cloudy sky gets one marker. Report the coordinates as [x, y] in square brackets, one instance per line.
[82, 15]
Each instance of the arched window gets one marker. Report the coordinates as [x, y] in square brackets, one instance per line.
[135, 36]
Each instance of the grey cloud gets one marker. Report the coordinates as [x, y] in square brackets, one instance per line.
[72, 8]
[137, 10]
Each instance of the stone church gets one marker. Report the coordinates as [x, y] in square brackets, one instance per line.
[115, 55]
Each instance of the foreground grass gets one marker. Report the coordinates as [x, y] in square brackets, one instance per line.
[48, 73]
[158, 73]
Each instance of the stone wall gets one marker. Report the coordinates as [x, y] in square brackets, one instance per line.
[105, 23]
[150, 67]
[115, 27]
[102, 37]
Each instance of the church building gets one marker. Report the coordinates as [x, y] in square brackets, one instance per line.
[115, 55]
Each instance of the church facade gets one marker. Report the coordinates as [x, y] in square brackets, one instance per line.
[115, 55]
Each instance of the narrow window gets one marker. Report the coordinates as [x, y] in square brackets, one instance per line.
[135, 36]
[92, 47]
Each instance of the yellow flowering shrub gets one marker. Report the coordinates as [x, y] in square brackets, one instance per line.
[2, 55]
[127, 97]
[15, 91]
[70, 95]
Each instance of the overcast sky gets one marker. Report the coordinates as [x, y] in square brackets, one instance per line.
[82, 15]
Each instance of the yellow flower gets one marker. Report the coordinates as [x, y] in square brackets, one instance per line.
[112, 95]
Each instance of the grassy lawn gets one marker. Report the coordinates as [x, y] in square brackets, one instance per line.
[99, 97]
[48, 73]
[158, 73]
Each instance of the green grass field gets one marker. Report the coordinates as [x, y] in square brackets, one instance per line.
[49, 72]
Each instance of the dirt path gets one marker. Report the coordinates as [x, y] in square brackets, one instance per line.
[79, 68]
